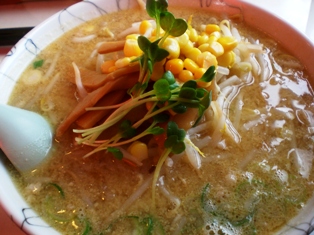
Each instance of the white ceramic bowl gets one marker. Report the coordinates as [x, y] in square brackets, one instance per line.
[28, 47]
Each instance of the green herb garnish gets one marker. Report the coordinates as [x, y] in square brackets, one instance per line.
[38, 64]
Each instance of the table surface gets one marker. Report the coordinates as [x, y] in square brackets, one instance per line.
[299, 13]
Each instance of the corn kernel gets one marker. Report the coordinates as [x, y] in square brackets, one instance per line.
[203, 47]
[190, 65]
[185, 75]
[210, 28]
[132, 36]
[123, 62]
[228, 43]
[131, 48]
[139, 150]
[203, 84]
[202, 39]
[193, 54]
[193, 36]
[105, 67]
[144, 26]
[174, 65]
[216, 49]
[187, 47]
[212, 38]
[198, 73]
[206, 59]
[227, 59]
[161, 32]
[215, 34]
[183, 39]
[172, 46]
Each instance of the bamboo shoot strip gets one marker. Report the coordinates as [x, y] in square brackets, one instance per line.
[122, 82]
[92, 80]
[90, 118]
[107, 47]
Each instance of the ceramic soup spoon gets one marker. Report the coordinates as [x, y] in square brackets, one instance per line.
[25, 137]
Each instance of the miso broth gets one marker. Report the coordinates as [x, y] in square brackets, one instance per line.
[252, 167]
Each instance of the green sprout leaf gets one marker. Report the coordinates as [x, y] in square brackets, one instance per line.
[171, 25]
[180, 108]
[156, 130]
[162, 90]
[154, 8]
[209, 75]
[116, 152]
[126, 129]
[161, 117]
[175, 138]
[204, 104]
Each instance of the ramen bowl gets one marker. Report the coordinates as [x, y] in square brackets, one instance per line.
[41, 36]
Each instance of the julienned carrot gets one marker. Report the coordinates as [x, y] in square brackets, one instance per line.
[90, 118]
[92, 80]
[119, 83]
[107, 47]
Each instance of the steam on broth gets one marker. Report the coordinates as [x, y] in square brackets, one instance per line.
[247, 165]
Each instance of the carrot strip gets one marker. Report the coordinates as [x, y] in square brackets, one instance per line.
[107, 47]
[90, 118]
[119, 83]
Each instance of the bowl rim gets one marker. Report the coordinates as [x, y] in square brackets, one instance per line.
[249, 11]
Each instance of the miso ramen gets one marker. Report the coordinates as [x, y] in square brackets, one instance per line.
[201, 128]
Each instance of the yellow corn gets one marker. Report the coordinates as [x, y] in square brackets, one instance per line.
[172, 46]
[202, 39]
[228, 43]
[139, 150]
[183, 39]
[186, 48]
[203, 84]
[162, 32]
[193, 54]
[210, 28]
[190, 65]
[131, 48]
[174, 65]
[123, 62]
[206, 59]
[215, 34]
[106, 66]
[144, 26]
[198, 74]
[216, 48]
[185, 75]
[213, 38]
[132, 36]
[227, 59]
[193, 35]
[203, 47]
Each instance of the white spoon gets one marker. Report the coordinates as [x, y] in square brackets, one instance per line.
[25, 137]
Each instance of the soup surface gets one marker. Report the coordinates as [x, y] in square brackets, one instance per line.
[247, 165]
